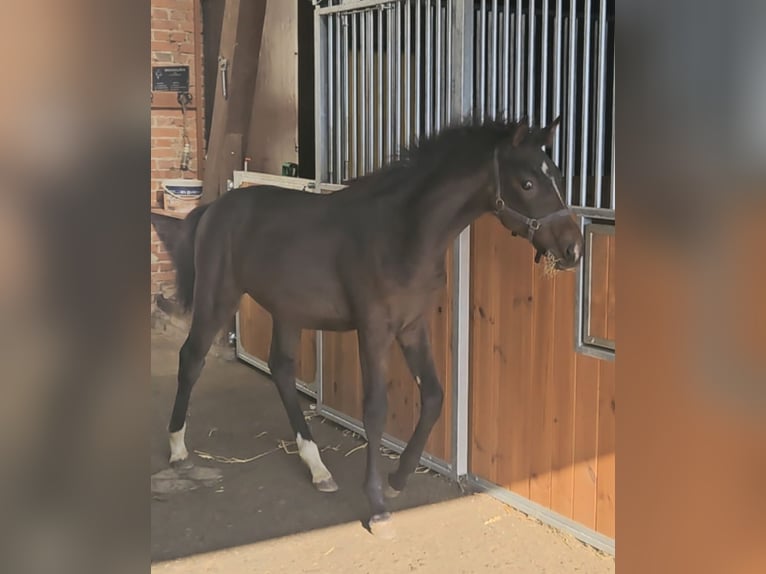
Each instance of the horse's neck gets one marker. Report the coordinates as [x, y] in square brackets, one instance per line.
[448, 208]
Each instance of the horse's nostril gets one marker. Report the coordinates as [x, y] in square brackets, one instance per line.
[573, 251]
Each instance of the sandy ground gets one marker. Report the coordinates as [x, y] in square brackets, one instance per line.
[264, 516]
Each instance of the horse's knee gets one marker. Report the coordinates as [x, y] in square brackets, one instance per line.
[432, 396]
[282, 368]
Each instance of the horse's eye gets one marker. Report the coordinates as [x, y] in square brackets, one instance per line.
[527, 185]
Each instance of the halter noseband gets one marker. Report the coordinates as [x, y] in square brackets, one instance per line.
[531, 224]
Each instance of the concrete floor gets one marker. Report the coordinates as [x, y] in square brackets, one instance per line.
[265, 516]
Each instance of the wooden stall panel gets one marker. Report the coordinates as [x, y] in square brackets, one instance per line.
[541, 415]
[255, 338]
[342, 388]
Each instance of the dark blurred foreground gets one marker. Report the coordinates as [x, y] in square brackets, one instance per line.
[74, 172]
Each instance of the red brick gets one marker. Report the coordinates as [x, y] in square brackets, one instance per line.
[166, 266]
[164, 276]
[164, 47]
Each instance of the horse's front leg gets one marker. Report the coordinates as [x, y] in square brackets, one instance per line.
[416, 349]
[374, 346]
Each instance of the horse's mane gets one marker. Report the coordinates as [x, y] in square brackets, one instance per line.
[459, 148]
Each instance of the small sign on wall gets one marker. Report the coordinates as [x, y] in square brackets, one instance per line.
[170, 78]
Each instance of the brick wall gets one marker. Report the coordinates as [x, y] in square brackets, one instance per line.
[173, 42]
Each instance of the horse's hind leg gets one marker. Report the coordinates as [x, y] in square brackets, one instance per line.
[211, 309]
[284, 345]
[417, 352]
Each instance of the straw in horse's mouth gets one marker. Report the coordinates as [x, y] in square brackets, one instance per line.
[549, 264]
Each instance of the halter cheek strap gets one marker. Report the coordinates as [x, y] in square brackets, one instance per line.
[501, 209]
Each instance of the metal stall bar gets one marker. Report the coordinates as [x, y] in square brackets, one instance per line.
[531, 61]
[557, 57]
[346, 113]
[389, 87]
[448, 61]
[321, 120]
[506, 59]
[429, 70]
[380, 98]
[586, 57]
[363, 97]
[600, 101]
[398, 83]
[407, 73]
[371, 95]
[613, 177]
[544, 55]
[482, 58]
[568, 168]
[462, 32]
[493, 63]
[338, 103]
[517, 65]
[354, 98]
[438, 54]
[331, 128]
[418, 10]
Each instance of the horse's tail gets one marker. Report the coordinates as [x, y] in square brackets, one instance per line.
[182, 255]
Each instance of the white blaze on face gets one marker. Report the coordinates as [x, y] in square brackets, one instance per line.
[549, 175]
[178, 446]
[309, 453]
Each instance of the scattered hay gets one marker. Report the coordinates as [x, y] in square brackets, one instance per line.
[356, 448]
[232, 459]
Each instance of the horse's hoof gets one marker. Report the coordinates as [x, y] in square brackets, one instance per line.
[382, 526]
[390, 492]
[184, 464]
[327, 485]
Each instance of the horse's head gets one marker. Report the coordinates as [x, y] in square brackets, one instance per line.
[529, 196]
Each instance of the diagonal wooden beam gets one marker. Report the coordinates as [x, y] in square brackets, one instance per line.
[241, 33]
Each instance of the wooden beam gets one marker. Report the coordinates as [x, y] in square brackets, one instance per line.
[241, 34]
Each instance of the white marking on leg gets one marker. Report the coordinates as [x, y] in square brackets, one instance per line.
[553, 180]
[309, 453]
[417, 380]
[178, 446]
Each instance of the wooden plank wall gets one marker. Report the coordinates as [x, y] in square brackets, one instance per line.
[541, 415]
[255, 338]
[342, 388]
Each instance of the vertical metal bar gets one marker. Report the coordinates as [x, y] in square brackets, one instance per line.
[613, 178]
[586, 57]
[330, 80]
[557, 57]
[346, 95]
[531, 26]
[389, 86]
[438, 67]
[600, 101]
[320, 98]
[448, 64]
[380, 99]
[364, 96]
[482, 58]
[429, 70]
[418, 10]
[462, 102]
[517, 64]
[572, 72]
[354, 99]
[407, 73]
[338, 100]
[506, 59]
[493, 64]
[398, 80]
[372, 94]
[544, 55]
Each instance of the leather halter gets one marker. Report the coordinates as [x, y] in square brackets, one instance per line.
[530, 223]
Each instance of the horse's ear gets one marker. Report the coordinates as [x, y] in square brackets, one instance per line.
[550, 131]
[520, 132]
